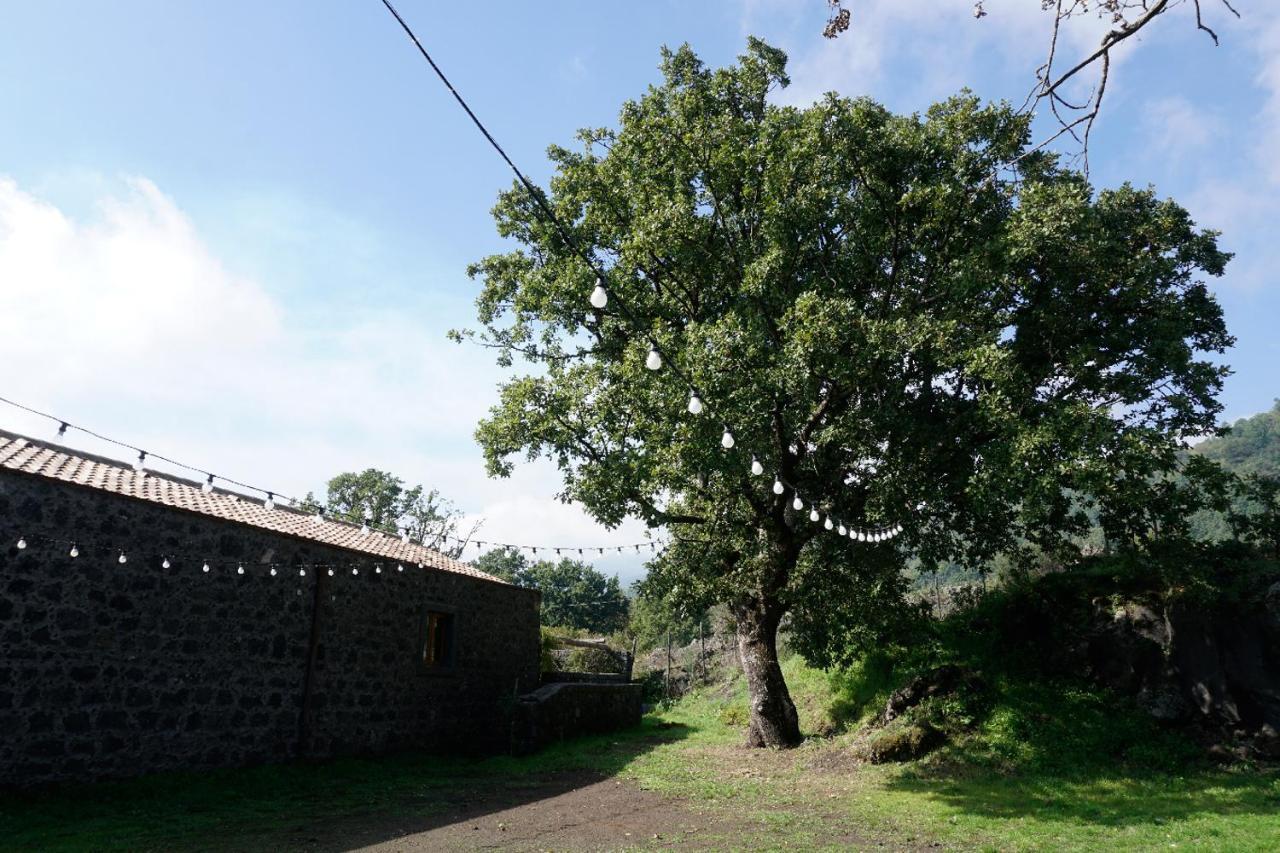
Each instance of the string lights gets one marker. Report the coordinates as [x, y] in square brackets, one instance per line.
[600, 297]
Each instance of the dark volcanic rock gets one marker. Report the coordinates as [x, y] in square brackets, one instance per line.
[1216, 670]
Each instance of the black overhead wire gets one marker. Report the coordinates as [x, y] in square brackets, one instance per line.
[555, 221]
[538, 196]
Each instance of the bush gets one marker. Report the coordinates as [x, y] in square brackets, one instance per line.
[591, 660]
[548, 645]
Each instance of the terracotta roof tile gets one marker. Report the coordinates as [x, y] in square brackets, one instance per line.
[29, 456]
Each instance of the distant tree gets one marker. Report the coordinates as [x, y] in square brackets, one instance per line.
[574, 594]
[381, 500]
[506, 563]
[1250, 446]
[1256, 513]
[900, 326]
[654, 618]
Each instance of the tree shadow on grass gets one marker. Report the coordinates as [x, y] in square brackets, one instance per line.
[1071, 753]
[1119, 801]
[287, 806]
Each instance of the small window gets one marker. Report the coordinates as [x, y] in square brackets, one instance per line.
[437, 640]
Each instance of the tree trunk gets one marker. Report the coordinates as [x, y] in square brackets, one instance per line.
[773, 720]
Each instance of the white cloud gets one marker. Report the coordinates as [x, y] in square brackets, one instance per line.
[125, 322]
[1178, 127]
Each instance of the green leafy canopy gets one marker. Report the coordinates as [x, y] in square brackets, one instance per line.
[889, 311]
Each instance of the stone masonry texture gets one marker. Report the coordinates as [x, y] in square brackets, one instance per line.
[112, 670]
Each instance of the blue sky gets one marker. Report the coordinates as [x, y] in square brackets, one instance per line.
[237, 232]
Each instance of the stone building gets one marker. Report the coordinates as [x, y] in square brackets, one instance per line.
[121, 653]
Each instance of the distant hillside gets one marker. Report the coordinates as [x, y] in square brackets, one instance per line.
[1252, 446]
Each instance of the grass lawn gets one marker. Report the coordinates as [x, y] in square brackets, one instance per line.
[809, 798]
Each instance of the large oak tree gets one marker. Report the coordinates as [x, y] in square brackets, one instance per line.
[903, 317]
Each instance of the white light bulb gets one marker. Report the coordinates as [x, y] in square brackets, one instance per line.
[399, 568]
[270, 503]
[355, 571]
[273, 571]
[862, 536]
[331, 573]
[828, 524]
[653, 360]
[205, 568]
[813, 515]
[141, 461]
[208, 485]
[364, 529]
[318, 518]
[778, 488]
[599, 297]
[726, 440]
[843, 531]
[123, 559]
[797, 504]
[240, 569]
[377, 569]
[75, 552]
[756, 468]
[695, 404]
[302, 573]
[165, 564]
[404, 537]
[22, 544]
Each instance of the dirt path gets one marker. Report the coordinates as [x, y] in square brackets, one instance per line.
[782, 806]
[566, 811]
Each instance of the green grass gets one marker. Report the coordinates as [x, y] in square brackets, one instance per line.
[1047, 766]
[1051, 767]
[252, 808]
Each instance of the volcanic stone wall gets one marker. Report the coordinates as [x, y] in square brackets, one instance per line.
[114, 670]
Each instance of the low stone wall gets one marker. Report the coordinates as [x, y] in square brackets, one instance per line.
[563, 710]
[585, 678]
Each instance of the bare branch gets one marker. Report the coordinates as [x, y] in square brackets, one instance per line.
[1128, 18]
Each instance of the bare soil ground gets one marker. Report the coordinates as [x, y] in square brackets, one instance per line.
[578, 810]
[570, 811]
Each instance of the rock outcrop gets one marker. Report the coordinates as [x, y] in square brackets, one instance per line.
[1216, 670]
